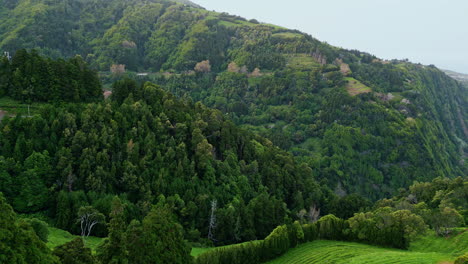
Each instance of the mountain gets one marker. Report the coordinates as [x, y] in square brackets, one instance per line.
[461, 77]
[187, 2]
[364, 125]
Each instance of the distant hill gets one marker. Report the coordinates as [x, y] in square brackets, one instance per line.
[187, 2]
[461, 77]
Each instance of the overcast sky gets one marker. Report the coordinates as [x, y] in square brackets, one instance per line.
[425, 31]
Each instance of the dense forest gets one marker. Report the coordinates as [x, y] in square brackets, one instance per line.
[363, 125]
[28, 77]
[148, 147]
[218, 130]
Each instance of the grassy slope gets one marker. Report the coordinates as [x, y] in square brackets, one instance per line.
[59, 237]
[428, 249]
[322, 251]
[13, 107]
[455, 245]
[197, 251]
[355, 87]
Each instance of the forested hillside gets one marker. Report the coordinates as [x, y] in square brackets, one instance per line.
[147, 147]
[364, 125]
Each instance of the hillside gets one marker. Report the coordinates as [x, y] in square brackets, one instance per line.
[461, 77]
[347, 252]
[148, 147]
[364, 125]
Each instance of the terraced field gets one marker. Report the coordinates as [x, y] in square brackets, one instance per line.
[322, 251]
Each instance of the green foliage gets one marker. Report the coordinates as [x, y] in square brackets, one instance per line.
[196, 153]
[387, 228]
[123, 88]
[74, 252]
[40, 228]
[32, 78]
[462, 259]
[18, 241]
[159, 232]
[440, 203]
[370, 144]
[114, 250]
[59, 237]
[331, 227]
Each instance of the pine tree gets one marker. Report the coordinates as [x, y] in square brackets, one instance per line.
[114, 249]
[162, 239]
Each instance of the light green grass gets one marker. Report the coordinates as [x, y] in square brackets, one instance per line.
[197, 251]
[287, 35]
[355, 87]
[454, 245]
[14, 107]
[59, 237]
[322, 251]
[302, 62]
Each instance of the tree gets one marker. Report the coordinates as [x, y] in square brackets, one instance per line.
[232, 67]
[114, 249]
[123, 88]
[88, 217]
[444, 219]
[203, 66]
[74, 252]
[18, 241]
[212, 221]
[161, 239]
[40, 228]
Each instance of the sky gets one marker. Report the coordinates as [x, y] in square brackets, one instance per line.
[423, 31]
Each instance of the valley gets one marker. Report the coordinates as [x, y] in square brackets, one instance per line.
[156, 131]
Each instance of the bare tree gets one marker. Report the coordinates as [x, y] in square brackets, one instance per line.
[314, 214]
[117, 69]
[88, 217]
[232, 67]
[203, 66]
[212, 222]
[301, 214]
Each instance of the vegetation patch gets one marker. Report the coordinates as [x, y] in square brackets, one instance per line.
[301, 61]
[58, 237]
[347, 252]
[355, 87]
[287, 35]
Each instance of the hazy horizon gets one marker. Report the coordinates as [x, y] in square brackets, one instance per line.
[427, 32]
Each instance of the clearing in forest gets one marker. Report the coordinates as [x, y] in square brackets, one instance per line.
[355, 87]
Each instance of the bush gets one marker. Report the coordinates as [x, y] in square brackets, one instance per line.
[40, 228]
[462, 259]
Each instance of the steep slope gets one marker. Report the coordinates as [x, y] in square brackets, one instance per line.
[461, 77]
[364, 125]
[152, 148]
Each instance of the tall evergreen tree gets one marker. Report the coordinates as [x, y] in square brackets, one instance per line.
[114, 249]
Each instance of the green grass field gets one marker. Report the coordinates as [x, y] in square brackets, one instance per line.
[302, 62]
[59, 237]
[13, 107]
[355, 87]
[323, 251]
[427, 249]
[197, 251]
